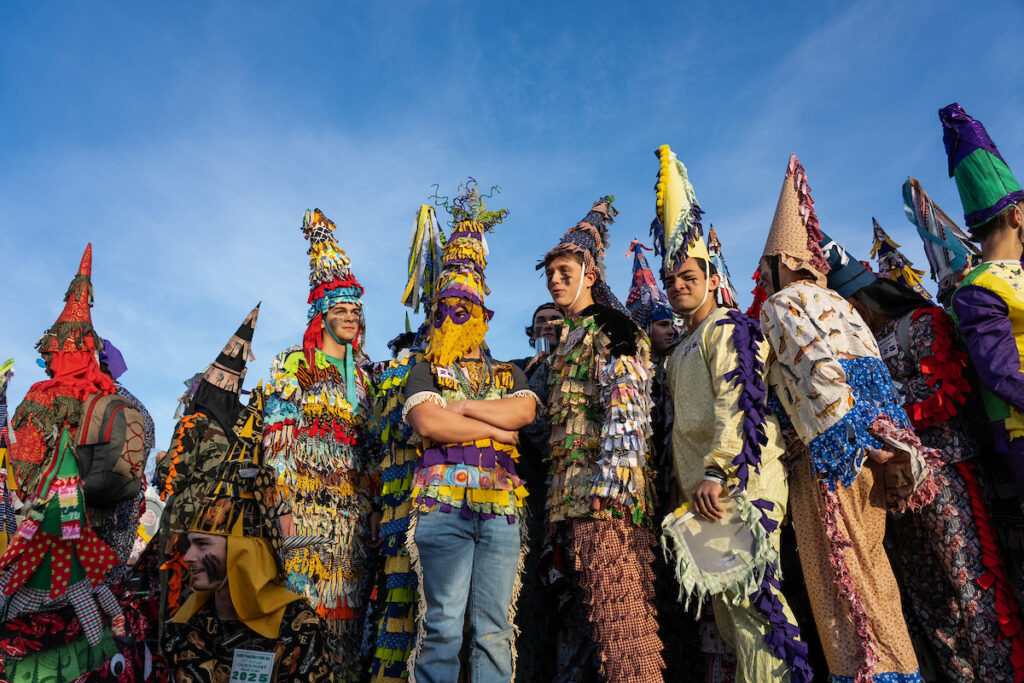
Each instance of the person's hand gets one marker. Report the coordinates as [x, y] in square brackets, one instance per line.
[375, 539]
[881, 455]
[457, 407]
[506, 436]
[597, 503]
[705, 501]
[537, 360]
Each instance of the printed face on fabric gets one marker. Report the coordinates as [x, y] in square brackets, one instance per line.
[545, 325]
[689, 287]
[207, 560]
[343, 319]
[566, 280]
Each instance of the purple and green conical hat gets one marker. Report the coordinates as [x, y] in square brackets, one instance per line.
[984, 180]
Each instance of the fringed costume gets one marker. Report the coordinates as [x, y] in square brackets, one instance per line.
[52, 574]
[600, 406]
[317, 413]
[242, 503]
[958, 596]
[397, 594]
[836, 393]
[723, 431]
[200, 440]
[893, 264]
[465, 542]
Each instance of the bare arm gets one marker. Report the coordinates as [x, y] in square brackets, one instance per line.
[431, 421]
[512, 412]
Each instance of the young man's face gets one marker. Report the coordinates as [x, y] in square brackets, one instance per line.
[343, 319]
[563, 274]
[662, 336]
[689, 288]
[545, 324]
[207, 559]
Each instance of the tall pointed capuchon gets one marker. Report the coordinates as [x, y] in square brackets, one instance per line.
[985, 182]
[892, 263]
[646, 303]
[795, 235]
[948, 248]
[218, 390]
[727, 294]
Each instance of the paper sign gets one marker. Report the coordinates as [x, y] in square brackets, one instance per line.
[252, 666]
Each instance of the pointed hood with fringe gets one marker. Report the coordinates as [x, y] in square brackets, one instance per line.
[795, 235]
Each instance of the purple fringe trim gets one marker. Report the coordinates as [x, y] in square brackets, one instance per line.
[485, 457]
[782, 638]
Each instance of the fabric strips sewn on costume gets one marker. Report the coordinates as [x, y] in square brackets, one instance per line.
[477, 477]
[395, 627]
[944, 371]
[625, 390]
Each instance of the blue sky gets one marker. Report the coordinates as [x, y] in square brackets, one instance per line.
[185, 140]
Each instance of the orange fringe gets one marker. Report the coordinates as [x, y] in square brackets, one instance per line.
[187, 422]
[175, 581]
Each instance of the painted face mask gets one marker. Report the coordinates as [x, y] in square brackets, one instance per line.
[454, 334]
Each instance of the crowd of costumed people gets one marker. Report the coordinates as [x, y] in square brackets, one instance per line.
[826, 486]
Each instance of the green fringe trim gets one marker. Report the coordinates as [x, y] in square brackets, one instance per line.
[738, 584]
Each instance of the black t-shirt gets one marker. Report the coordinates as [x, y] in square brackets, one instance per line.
[421, 378]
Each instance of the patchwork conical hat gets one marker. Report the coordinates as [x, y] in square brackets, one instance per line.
[947, 246]
[73, 328]
[331, 281]
[218, 390]
[646, 302]
[464, 256]
[795, 235]
[892, 263]
[589, 240]
[985, 182]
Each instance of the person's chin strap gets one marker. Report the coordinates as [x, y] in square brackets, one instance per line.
[350, 370]
[579, 290]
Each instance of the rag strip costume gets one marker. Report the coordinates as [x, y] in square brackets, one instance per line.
[893, 264]
[836, 394]
[600, 406]
[52, 572]
[988, 306]
[948, 248]
[723, 431]
[242, 503]
[465, 537]
[8, 485]
[201, 439]
[648, 304]
[397, 594]
[946, 554]
[726, 293]
[316, 436]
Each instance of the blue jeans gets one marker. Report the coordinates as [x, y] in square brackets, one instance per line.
[466, 562]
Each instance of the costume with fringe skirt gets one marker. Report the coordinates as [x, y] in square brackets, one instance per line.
[316, 436]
